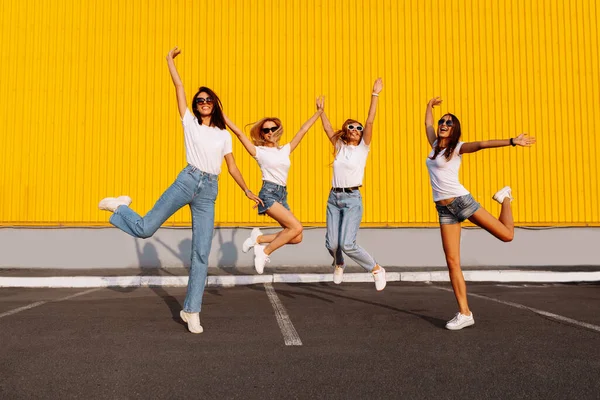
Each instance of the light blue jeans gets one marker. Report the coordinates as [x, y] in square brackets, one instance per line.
[344, 213]
[199, 190]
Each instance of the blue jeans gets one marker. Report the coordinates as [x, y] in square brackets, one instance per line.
[344, 213]
[272, 193]
[460, 209]
[199, 190]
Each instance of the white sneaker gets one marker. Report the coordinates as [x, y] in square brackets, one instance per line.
[260, 258]
[193, 321]
[338, 274]
[460, 321]
[251, 241]
[380, 281]
[502, 194]
[112, 203]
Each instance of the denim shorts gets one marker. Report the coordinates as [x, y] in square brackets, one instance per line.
[461, 208]
[270, 193]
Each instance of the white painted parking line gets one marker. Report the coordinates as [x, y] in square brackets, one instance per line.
[39, 303]
[535, 310]
[290, 336]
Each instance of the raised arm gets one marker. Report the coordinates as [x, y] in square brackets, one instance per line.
[327, 125]
[521, 140]
[429, 129]
[179, 91]
[377, 88]
[239, 179]
[306, 126]
[240, 135]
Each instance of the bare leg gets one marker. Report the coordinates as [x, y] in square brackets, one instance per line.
[503, 228]
[262, 239]
[451, 244]
[292, 228]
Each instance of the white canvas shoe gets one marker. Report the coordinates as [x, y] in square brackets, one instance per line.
[112, 203]
[260, 258]
[193, 321]
[502, 194]
[380, 281]
[338, 274]
[251, 241]
[460, 321]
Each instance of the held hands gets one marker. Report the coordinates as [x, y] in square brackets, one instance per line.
[378, 86]
[320, 104]
[174, 52]
[524, 140]
[436, 101]
[254, 198]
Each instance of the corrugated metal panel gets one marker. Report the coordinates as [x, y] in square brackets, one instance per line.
[87, 108]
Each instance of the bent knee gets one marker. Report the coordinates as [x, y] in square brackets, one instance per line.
[507, 237]
[297, 239]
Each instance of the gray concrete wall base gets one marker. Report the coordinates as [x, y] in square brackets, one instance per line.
[403, 247]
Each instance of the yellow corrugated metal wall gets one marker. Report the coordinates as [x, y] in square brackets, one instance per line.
[87, 107]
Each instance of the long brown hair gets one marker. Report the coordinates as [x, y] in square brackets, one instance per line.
[256, 131]
[342, 134]
[216, 118]
[453, 141]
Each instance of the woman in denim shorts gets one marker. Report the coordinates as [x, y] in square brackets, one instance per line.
[455, 204]
[274, 162]
[351, 146]
[207, 142]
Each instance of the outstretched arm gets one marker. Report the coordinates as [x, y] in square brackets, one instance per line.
[327, 125]
[306, 126]
[431, 136]
[239, 179]
[377, 88]
[179, 91]
[240, 135]
[521, 140]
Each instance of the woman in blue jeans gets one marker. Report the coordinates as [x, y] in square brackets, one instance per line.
[455, 204]
[344, 206]
[206, 143]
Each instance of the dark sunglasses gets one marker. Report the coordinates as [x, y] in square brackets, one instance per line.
[353, 127]
[448, 122]
[267, 130]
[202, 100]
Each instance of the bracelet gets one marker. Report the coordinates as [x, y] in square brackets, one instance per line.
[375, 94]
[512, 143]
[247, 190]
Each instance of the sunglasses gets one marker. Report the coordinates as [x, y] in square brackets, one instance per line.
[267, 130]
[448, 122]
[202, 100]
[353, 127]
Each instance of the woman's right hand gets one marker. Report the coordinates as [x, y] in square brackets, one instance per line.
[436, 101]
[174, 52]
[321, 103]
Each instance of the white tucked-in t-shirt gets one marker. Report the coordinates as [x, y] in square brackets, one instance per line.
[349, 164]
[274, 163]
[205, 146]
[443, 174]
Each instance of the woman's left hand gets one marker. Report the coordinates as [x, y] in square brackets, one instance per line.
[320, 103]
[524, 140]
[254, 198]
[378, 86]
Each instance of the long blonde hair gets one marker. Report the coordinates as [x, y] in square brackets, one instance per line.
[256, 131]
[343, 133]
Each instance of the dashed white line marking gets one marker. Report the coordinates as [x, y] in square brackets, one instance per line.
[290, 336]
[535, 310]
[39, 303]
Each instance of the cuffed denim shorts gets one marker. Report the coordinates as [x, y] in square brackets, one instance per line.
[270, 193]
[460, 209]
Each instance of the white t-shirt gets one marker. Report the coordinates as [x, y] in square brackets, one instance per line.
[349, 164]
[443, 174]
[205, 146]
[274, 163]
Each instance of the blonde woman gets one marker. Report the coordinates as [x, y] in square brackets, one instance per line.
[274, 162]
[455, 204]
[344, 205]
